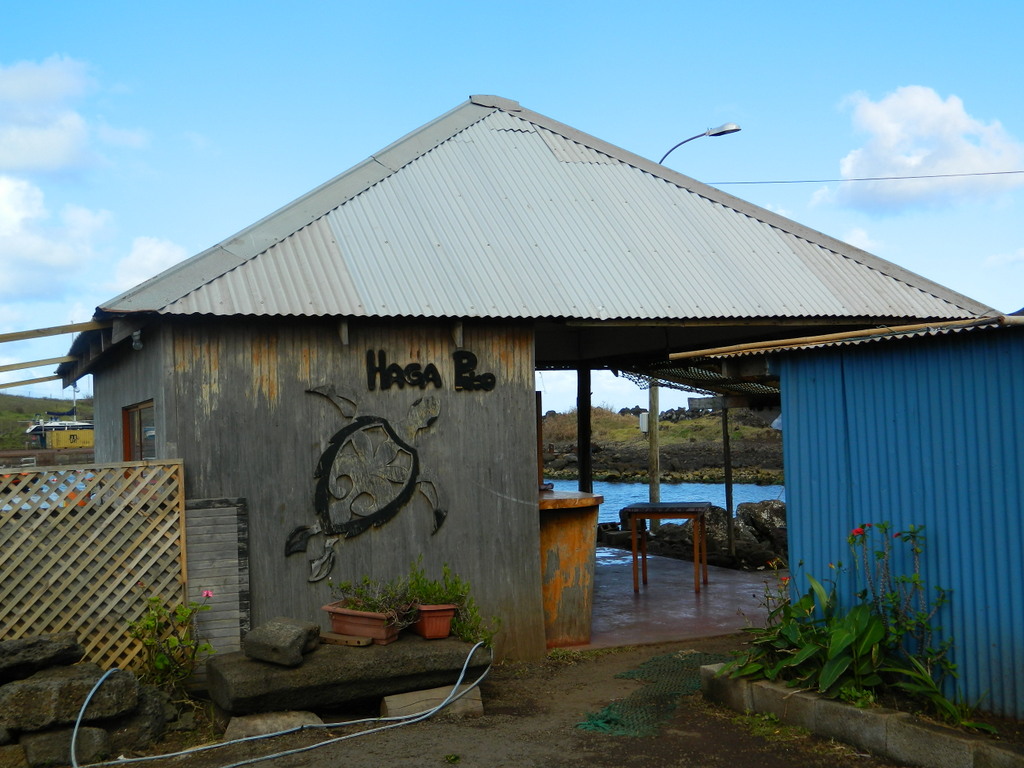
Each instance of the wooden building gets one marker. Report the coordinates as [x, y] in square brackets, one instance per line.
[359, 366]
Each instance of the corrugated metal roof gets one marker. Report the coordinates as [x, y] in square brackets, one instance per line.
[495, 211]
[865, 336]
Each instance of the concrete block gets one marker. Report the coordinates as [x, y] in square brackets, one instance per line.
[790, 705]
[864, 728]
[993, 754]
[916, 742]
[618, 539]
[416, 702]
[724, 690]
[268, 722]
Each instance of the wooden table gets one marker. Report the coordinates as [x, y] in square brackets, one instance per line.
[671, 510]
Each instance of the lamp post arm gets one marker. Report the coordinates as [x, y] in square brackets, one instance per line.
[677, 146]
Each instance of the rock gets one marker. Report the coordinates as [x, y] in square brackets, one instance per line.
[25, 656]
[55, 696]
[245, 726]
[338, 674]
[6, 737]
[281, 641]
[143, 727]
[54, 747]
[311, 628]
[768, 521]
[12, 756]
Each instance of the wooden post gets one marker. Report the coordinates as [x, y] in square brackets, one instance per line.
[654, 454]
[540, 441]
[654, 450]
[583, 431]
[728, 481]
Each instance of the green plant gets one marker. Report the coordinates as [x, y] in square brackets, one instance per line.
[900, 600]
[173, 647]
[468, 623]
[391, 598]
[865, 650]
[810, 644]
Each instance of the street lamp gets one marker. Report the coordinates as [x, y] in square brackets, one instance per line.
[719, 131]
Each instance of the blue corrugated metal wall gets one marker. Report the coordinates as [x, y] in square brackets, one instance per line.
[926, 431]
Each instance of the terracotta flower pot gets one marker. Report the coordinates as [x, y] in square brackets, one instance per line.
[347, 621]
[434, 621]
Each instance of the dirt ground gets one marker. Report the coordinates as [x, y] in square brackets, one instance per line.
[530, 719]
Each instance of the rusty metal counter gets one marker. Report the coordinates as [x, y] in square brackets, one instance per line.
[568, 543]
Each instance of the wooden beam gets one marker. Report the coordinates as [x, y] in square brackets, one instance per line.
[777, 344]
[92, 325]
[25, 383]
[37, 363]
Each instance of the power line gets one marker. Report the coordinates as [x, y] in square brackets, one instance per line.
[869, 178]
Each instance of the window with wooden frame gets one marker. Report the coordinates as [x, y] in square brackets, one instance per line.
[138, 433]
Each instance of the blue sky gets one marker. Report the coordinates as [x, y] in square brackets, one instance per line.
[134, 135]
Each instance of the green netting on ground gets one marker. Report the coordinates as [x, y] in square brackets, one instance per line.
[650, 706]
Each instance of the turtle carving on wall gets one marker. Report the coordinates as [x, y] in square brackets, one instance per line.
[368, 473]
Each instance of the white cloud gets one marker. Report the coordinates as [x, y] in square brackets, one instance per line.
[1004, 259]
[859, 238]
[39, 130]
[914, 132]
[149, 256]
[32, 87]
[20, 202]
[42, 255]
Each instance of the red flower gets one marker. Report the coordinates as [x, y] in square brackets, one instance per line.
[897, 534]
[857, 532]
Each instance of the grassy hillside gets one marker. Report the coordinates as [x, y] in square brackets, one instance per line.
[610, 427]
[16, 412]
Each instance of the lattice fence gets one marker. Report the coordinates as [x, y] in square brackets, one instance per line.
[81, 548]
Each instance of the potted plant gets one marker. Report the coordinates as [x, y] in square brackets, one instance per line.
[371, 608]
[444, 606]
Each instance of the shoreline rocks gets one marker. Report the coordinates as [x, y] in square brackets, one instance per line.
[759, 537]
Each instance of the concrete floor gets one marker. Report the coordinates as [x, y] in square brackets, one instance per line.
[667, 608]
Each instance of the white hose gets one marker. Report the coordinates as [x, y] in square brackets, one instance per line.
[81, 712]
[393, 722]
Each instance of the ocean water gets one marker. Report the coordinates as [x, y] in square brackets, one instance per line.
[619, 495]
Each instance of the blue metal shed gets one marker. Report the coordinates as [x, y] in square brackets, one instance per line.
[926, 430]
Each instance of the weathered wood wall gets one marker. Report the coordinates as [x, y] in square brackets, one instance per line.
[217, 558]
[231, 401]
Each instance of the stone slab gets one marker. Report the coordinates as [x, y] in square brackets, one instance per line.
[416, 702]
[337, 674]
